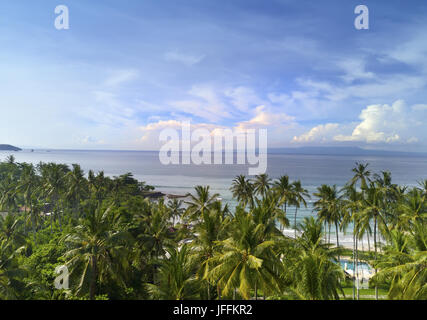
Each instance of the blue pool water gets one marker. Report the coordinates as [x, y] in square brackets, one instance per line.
[362, 265]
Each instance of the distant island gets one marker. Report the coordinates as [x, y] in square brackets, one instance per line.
[8, 147]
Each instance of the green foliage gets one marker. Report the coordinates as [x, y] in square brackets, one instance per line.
[119, 244]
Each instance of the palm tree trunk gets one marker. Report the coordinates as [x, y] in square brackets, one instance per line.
[209, 292]
[33, 220]
[338, 242]
[357, 265]
[369, 242]
[51, 217]
[92, 286]
[295, 221]
[336, 229]
[325, 231]
[354, 264]
[256, 291]
[375, 245]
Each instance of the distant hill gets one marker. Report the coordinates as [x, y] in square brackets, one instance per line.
[350, 151]
[8, 147]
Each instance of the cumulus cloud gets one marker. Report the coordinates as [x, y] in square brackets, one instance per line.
[266, 119]
[379, 124]
[383, 124]
[263, 119]
[320, 133]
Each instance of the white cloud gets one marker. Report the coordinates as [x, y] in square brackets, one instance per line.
[187, 59]
[266, 119]
[355, 69]
[204, 102]
[119, 77]
[379, 124]
[243, 98]
[320, 133]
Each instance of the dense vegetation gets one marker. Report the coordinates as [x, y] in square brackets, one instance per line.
[120, 244]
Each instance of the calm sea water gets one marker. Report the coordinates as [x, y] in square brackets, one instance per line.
[312, 170]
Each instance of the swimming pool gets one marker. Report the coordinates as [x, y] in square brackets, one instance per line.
[348, 265]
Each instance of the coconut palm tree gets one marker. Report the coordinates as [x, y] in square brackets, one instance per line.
[10, 230]
[212, 228]
[10, 271]
[262, 184]
[316, 276]
[267, 213]
[373, 209]
[412, 209]
[310, 265]
[97, 252]
[351, 207]
[362, 174]
[176, 209]
[77, 187]
[27, 186]
[9, 194]
[321, 206]
[243, 191]
[244, 261]
[177, 280]
[298, 198]
[200, 202]
[53, 186]
[404, 265]
[284, 188]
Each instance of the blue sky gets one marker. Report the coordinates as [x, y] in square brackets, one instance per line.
[127, 69]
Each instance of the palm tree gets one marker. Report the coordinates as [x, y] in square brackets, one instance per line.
[266, 213]
[311, 233]
[10, 230]
[176, 209]
[404, 265]
[351, 207]
[10, 271]
[176, 276]
[97, 252]
[53, 186]
[211, 228]
[317, 277]
[243, 191]
[412, 209]
[200, 202]
[299, 195]
[372, 209]
[77, 187]
[27, 185]
[322, 206]
[261, 184]
[98, 185]
[284, 189]
[245, 261]
[310, 266]
[9, 194]
[361, 174]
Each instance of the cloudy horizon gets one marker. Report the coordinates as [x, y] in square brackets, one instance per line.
[126, 70]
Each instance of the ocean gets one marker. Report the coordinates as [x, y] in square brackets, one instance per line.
[312, 170]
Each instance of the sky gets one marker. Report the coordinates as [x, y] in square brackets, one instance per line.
[125, 70]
